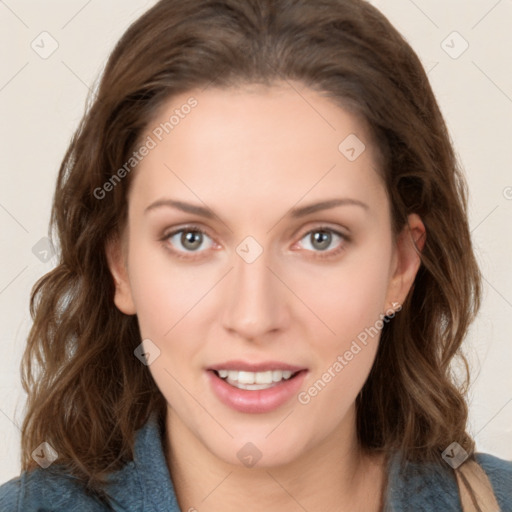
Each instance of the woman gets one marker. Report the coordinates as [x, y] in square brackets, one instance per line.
[265, 273]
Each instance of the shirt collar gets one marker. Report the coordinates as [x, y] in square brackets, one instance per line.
[145, 484]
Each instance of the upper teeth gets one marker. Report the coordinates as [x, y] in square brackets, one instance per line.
[255, 377]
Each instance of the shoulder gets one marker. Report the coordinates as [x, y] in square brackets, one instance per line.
[48, 490]
[140, 485]
[425, 486]
[499, 472]
[433, 486]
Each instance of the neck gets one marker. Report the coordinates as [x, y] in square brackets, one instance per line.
[334, 475]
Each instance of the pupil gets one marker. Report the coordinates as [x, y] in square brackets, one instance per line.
[321, 239]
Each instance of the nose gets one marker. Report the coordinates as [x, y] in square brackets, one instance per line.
[255, 307]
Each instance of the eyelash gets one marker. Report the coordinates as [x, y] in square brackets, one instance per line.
[196, 229]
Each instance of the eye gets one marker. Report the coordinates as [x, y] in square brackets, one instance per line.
[320, 240]
[188, 240]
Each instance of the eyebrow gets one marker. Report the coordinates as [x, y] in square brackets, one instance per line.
[295, 212]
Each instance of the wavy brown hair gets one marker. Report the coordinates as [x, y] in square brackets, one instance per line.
[87, 393]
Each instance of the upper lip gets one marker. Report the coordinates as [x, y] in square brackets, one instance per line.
[256, 367]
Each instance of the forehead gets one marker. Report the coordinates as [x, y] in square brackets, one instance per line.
[256, 144]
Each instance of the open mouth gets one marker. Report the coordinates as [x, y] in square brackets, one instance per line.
[255, 381]
[255, 388]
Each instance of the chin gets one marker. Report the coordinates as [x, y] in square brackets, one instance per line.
[259, 450]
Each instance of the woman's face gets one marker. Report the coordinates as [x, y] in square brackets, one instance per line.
[259, 245]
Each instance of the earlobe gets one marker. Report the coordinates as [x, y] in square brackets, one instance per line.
[123, 296]
[409, 243]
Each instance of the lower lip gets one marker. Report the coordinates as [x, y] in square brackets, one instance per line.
[258, 401]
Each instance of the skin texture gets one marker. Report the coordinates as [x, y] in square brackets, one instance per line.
[250, 155]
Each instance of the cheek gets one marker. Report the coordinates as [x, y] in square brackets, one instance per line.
[352, 307]
[347, 297]
[173, 306]
[166, 298]
[164, 292]
[350, 303]
[364, 299]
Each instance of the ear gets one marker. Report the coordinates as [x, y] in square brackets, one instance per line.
[406, 261]
[115, 253]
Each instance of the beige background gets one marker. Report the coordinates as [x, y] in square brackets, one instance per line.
[42, 101]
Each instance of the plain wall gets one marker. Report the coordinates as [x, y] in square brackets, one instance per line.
[42, 101]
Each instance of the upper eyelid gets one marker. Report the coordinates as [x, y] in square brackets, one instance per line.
[194, 227]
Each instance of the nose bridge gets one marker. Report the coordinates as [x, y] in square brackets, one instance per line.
[255, 306]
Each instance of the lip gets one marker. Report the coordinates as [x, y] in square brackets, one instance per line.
[255, 367]
[257, 401]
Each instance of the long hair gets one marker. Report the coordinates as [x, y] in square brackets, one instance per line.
[87, 393]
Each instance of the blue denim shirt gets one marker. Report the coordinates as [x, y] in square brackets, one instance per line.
[144, 485]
